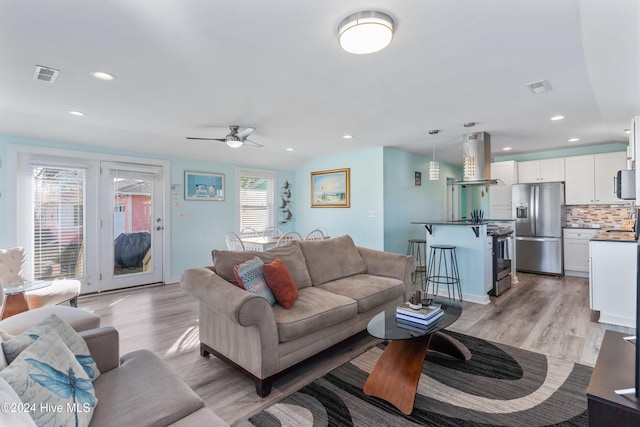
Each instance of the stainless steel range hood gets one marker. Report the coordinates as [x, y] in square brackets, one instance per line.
[476, 167]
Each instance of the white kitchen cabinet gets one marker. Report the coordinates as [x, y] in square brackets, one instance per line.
[535, 171]
[589, 179]
[612, 281]
[579, 186]
[576, 251]
[607, 166]
[500, 195]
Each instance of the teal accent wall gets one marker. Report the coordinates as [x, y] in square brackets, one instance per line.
[202, 225]
[566, 152]
[404, 202]
[477, 199]
[367, 195]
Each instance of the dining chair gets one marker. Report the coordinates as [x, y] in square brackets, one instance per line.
[249, 233]
[234, 242]
[271, 232]
[315, 234]
[288, 237]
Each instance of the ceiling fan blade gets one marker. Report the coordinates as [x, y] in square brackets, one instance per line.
[251, 143]
[245, 133]
[206, 139]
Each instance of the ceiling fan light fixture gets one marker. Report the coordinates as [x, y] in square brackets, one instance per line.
[233, 142]
[365, 32]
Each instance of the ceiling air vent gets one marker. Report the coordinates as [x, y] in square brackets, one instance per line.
[539, 86]
[45, 74]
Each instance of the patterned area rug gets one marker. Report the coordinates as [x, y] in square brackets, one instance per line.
[500, 385]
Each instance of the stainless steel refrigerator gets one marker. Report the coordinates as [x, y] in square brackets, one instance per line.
[537, 209]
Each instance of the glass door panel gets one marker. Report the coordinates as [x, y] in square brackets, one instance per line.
[132, 233]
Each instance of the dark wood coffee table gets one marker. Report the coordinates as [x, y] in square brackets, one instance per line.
[395, 376]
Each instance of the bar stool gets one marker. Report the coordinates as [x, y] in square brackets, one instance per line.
[418, 248]
[447, 261]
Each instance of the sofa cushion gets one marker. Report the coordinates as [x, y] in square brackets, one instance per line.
[332, 259]
[291, 255]
[14, 346]
[281, 283]
[314, 309]
[41, 376]
[78, 319]
[143, 391]
[369, 291]
[250, 277]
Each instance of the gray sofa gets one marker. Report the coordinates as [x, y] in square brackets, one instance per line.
[340, 288]
[137, 389]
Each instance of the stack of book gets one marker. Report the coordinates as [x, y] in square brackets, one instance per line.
[418, 319]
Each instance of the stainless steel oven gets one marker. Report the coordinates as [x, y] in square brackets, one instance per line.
[502, 248]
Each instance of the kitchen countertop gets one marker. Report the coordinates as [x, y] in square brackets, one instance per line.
[466, 222]
[615, 236]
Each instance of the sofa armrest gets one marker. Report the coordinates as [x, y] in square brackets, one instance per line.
[227, 299]
[104, 346]
[388, 264]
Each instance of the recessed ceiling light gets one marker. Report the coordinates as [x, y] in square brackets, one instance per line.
[627, 130]
[506, 149]
[347, 136]
[101, 75]
[556, 118]
[574, 139]
[77, 113]
[289, 149]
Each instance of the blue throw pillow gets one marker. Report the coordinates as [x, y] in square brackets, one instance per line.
[250, 277]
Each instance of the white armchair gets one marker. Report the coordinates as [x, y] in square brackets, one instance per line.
[11, 261]
[59, 291]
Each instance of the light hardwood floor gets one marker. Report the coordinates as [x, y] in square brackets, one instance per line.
[541, 313]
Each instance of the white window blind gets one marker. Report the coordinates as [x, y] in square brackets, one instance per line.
[257, 200]
[58, 196]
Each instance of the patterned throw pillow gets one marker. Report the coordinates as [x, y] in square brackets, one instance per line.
[250, 277]
[52, 385]
[14, 346]
[281, 283]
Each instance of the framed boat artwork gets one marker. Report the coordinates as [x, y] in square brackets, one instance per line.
[330, 189]
[203, 186]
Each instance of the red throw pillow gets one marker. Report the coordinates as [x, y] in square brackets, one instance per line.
[281, 283]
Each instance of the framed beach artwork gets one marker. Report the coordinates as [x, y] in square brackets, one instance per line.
[203, 186]
[330, 189]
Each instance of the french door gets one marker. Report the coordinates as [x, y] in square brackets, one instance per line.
[131, 225]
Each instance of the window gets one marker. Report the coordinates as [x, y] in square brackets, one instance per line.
[58, 201]
[257, 199]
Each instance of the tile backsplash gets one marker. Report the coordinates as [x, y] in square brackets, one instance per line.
[602, 216]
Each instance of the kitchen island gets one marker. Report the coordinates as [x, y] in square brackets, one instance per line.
[474, 252]
[612, 277]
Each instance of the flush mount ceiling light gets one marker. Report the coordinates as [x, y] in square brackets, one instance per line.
[506, 149]
[77, 113]
[365, 32]
[574, 139]
[347, 136]
[556, 118]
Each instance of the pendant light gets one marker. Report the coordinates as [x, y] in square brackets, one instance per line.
[434, 165]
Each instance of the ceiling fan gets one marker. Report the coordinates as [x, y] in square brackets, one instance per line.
[236, 138]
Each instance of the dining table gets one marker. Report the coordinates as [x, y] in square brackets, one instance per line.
[259, 244]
